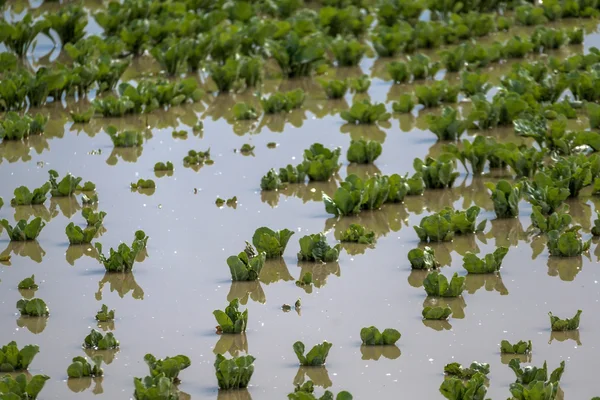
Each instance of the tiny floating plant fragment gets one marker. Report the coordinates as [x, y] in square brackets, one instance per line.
[234, 373]
[81, 367]
[231, 320]
[33, 307]
[95, 340]
[520, 347]
[437, 285]
[423, 258]
[372, 337]
[315, 357]
[436, 313]
[567, 324]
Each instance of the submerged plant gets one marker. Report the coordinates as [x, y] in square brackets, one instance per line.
[436, 174]
[157, 387]
[81, 367]
[143, 184]
[358, 234]
[24, 230]
[363, 112]
[20, 35]
[28, 283]
[24, 197]
[489, 264]
[363, 151]
[506, 198]
[320, 163]
[33, 307]
[128, 138]
[16, 127]
[441, 227]
[246, 266]
[234, 373]
[437, 285]
[372, 337]
[567, 324]
[557, 221]
[520, 347]
[361, 84]
[423, 258]
[334, 88]
[69, 23]
[272, 243]
[447, 126]
[315, 248]
[283, 101]
[244, 111]
[98, 341]
[123, 258]
[15, 359]
[436, 313]
[66, 187]
[21, 387]
[460, 389]
[568, 243]
[161, 166]
[77, 235]
[168, 366]
[533, 382]
[231, 320]
[315, 357]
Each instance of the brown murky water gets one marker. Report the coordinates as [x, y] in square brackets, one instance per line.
[165, 307]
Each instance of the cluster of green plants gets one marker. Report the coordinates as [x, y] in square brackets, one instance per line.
[98, 341]
[371, 336]
[16, 127]
[442, 226]
[81, 367]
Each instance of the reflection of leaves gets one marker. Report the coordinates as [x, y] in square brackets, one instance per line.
[30, 248]
[275, 270]
[566, 268]
[457, 304]
[363, 171]
[122, 283]
[145, 191]
[367, 132]
[18, 150]
[524, 358]
[476, 193]
[107, 325]
[565, 335]
[27, 293]
[240, 394]
[538, 245]
[38, 210]
[161, 174]
[375, 352]
[232, 344]
[68, 205]
[492, 282]
[581, 213]
[108, 356]
[76, 251]
[34, 325]
[78, 385]
[128, 154]
[307, 192]
[319, 271]
[407, 122]
[277, 122]
[245, 290]
[416, 277]
[324, 107]
[506, 232]
[437, 325]
[318, 375]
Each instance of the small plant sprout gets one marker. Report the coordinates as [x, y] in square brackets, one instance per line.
[234, 373]
[169, 366]
[457, 370]
[160, 166]
[437, 285]
[28, 283]
[231, 320]
[489, 264]
[358, 234]
[81, 367]
[104, 314]
[423, 258]
[315, 357]
[123, 258]
[271, 242]
[66, 187]
[520, 347]
[33, 307]
[372, 337]
[143, 184]
[246, 266]
[95, 340]
[247, 149]
[436, 313]
[567, 324]
[24, 231]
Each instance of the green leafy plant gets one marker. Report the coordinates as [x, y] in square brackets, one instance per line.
[505, 197]
[16, 127]
[104, 314]
[23, 230]
[557, 221]
[81, 367]
[17, 387]
[423, 258]
[305, 280]
[398, 71]
[15, 359]
[436, 313]
[77, 235]
[441, 227]
[405, 104]
[296, 55]
[20, 35]
[533, 382]
[168, 366]
[82, 117]
[315, 248]
[434, 94]
[459, 389]
[197, 158]
[567, 243]
[358, 234]
[271, 181]
[305, 392]
[127, 138]
[360, 84]
[520, 347]
[567, 324]
[111, 106]
[436, 174]
[155, 388]
[160, 166]
[476, 153]
[363, 112]
[24, 197]
[372, 337]
[234, 373]
[244, 111]
[33, 307]
[272, 243]
[283, 101]
[544, 193]
[231, 320]
[143, 184]
[489, 264]
[98, 341]
[172, 54]
[320, 163]
[347, 53]
[447, 126]
[247, 265]
[91, 217]
[473, 83]
[123, 258]
[457, 370]
[315, 357]
[334, 88]
[66, 187]
[363, 151]
[28, 283]
[69, 23]
[437, 285]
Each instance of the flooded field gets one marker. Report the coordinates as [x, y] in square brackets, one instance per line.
[165, 306]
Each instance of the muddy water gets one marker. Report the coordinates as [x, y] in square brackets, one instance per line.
[165, 307]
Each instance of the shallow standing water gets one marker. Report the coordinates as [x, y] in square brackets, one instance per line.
[165, 307]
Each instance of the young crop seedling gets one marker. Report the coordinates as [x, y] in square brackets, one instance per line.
[231, 320]
[506, 198]
[520, 347]
[457, 370]
[197, 158]
[447, 126]
[33, 307]
[23, 231]
[22, 386]
[363, 112]
[405, 104]
[358, 234]
[95, 340]
[244, 111]
[270, 242]
[372, 337]
[567, 324]
[423, 258]
[234, 373]
[361, 84]
[442, 226]
[459, 389]
[123, 258]
[535, 381]
[320, 163]
[91, 217]
[334, 88]
[15, 359]
[104, 314]
[143, 184]
[489, 264]
[568, 243]
[363, 151]
[437, 285]
[283, 101]
[315, 248]
[77, 235]
[557, 221]
[157, 387]
[15, 127]
[437, 174]
[436, 313]
[169, 366]
[246, 266]
[82, 368]
[66, 187]
[28, 284]
[127, 138]
[315, 357]
[160, 166]
[475, 153]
